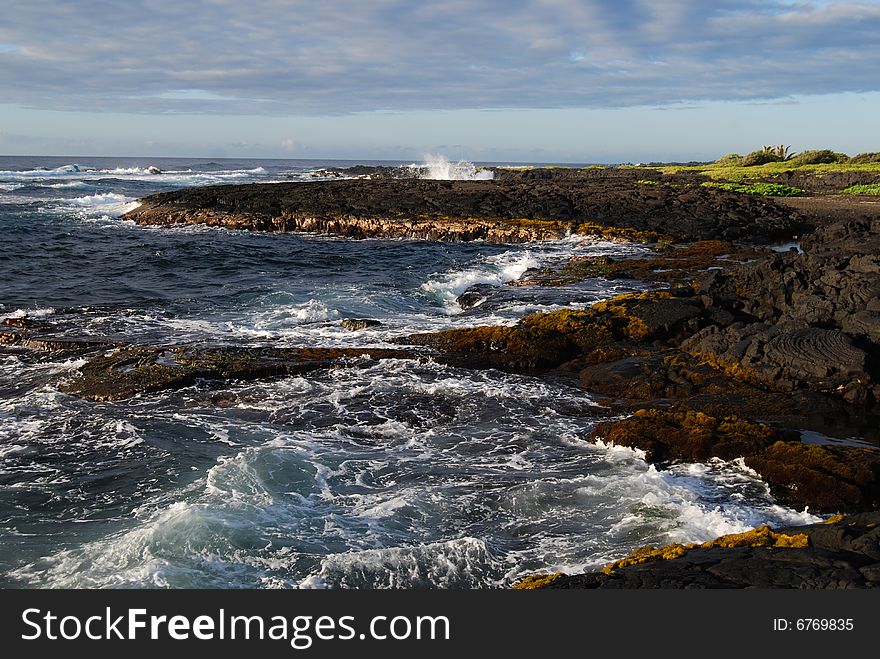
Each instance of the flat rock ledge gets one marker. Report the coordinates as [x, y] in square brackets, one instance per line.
[494, 211]
[841, 553]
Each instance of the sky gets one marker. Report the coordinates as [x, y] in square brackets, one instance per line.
[486, 80]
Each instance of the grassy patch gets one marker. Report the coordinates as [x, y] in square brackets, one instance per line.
[763, 189]
[871, 189]
[737, 173]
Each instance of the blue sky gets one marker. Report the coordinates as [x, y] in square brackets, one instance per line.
[540, 81]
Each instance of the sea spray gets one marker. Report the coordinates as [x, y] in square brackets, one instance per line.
[438, 167]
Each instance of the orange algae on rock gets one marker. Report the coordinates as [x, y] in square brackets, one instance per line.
[647, 554]
[536, 581]
[762, 536]
[617, 233]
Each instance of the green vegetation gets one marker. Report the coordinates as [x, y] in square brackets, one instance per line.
[737, 173]
[763, 189]
[768, 171]
[873, 156]
[871, 189]
[730, 159]
[819, 157]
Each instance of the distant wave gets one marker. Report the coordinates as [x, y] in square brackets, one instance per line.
[69, 185]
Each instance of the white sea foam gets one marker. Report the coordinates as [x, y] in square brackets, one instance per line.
[438, 167]
[459, 563]
[108, 203]
[382, 501]
[495, 270]
[31, 313]
[296, 314]
[97, 200]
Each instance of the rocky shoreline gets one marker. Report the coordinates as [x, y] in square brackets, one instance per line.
[739, 351]
[841, 553]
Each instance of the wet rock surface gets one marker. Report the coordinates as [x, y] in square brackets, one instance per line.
[357, 324]
[837, 555]
[136, 370]
[24, 337]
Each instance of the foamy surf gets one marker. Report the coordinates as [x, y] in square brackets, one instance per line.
[494, 270]
[109, 203]
[399, 475]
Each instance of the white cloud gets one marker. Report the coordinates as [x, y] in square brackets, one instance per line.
[274, 57]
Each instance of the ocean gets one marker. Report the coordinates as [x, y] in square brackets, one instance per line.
[397, 474]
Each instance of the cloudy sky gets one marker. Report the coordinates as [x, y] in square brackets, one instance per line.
[527, 80]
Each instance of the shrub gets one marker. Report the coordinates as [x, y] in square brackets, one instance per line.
[819, 157]
[729, 159]
[872, 156]
[779, 153]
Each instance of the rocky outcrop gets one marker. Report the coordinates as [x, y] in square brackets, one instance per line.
[806, 320]
[743, 335]
[843, 553]
[497, 211]
[137, 370]
[357, 324]
[823, 478]
[549, 340]
[37, 342]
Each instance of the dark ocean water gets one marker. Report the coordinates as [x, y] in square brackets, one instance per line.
[397, 474]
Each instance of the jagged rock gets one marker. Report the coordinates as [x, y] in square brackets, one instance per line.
[842, 554]
[475, 295]
[25, 340]
[22, 323]
[355, 324]
[548, 340]
[825, 478]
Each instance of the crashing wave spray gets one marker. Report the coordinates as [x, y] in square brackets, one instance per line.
[438, 167]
